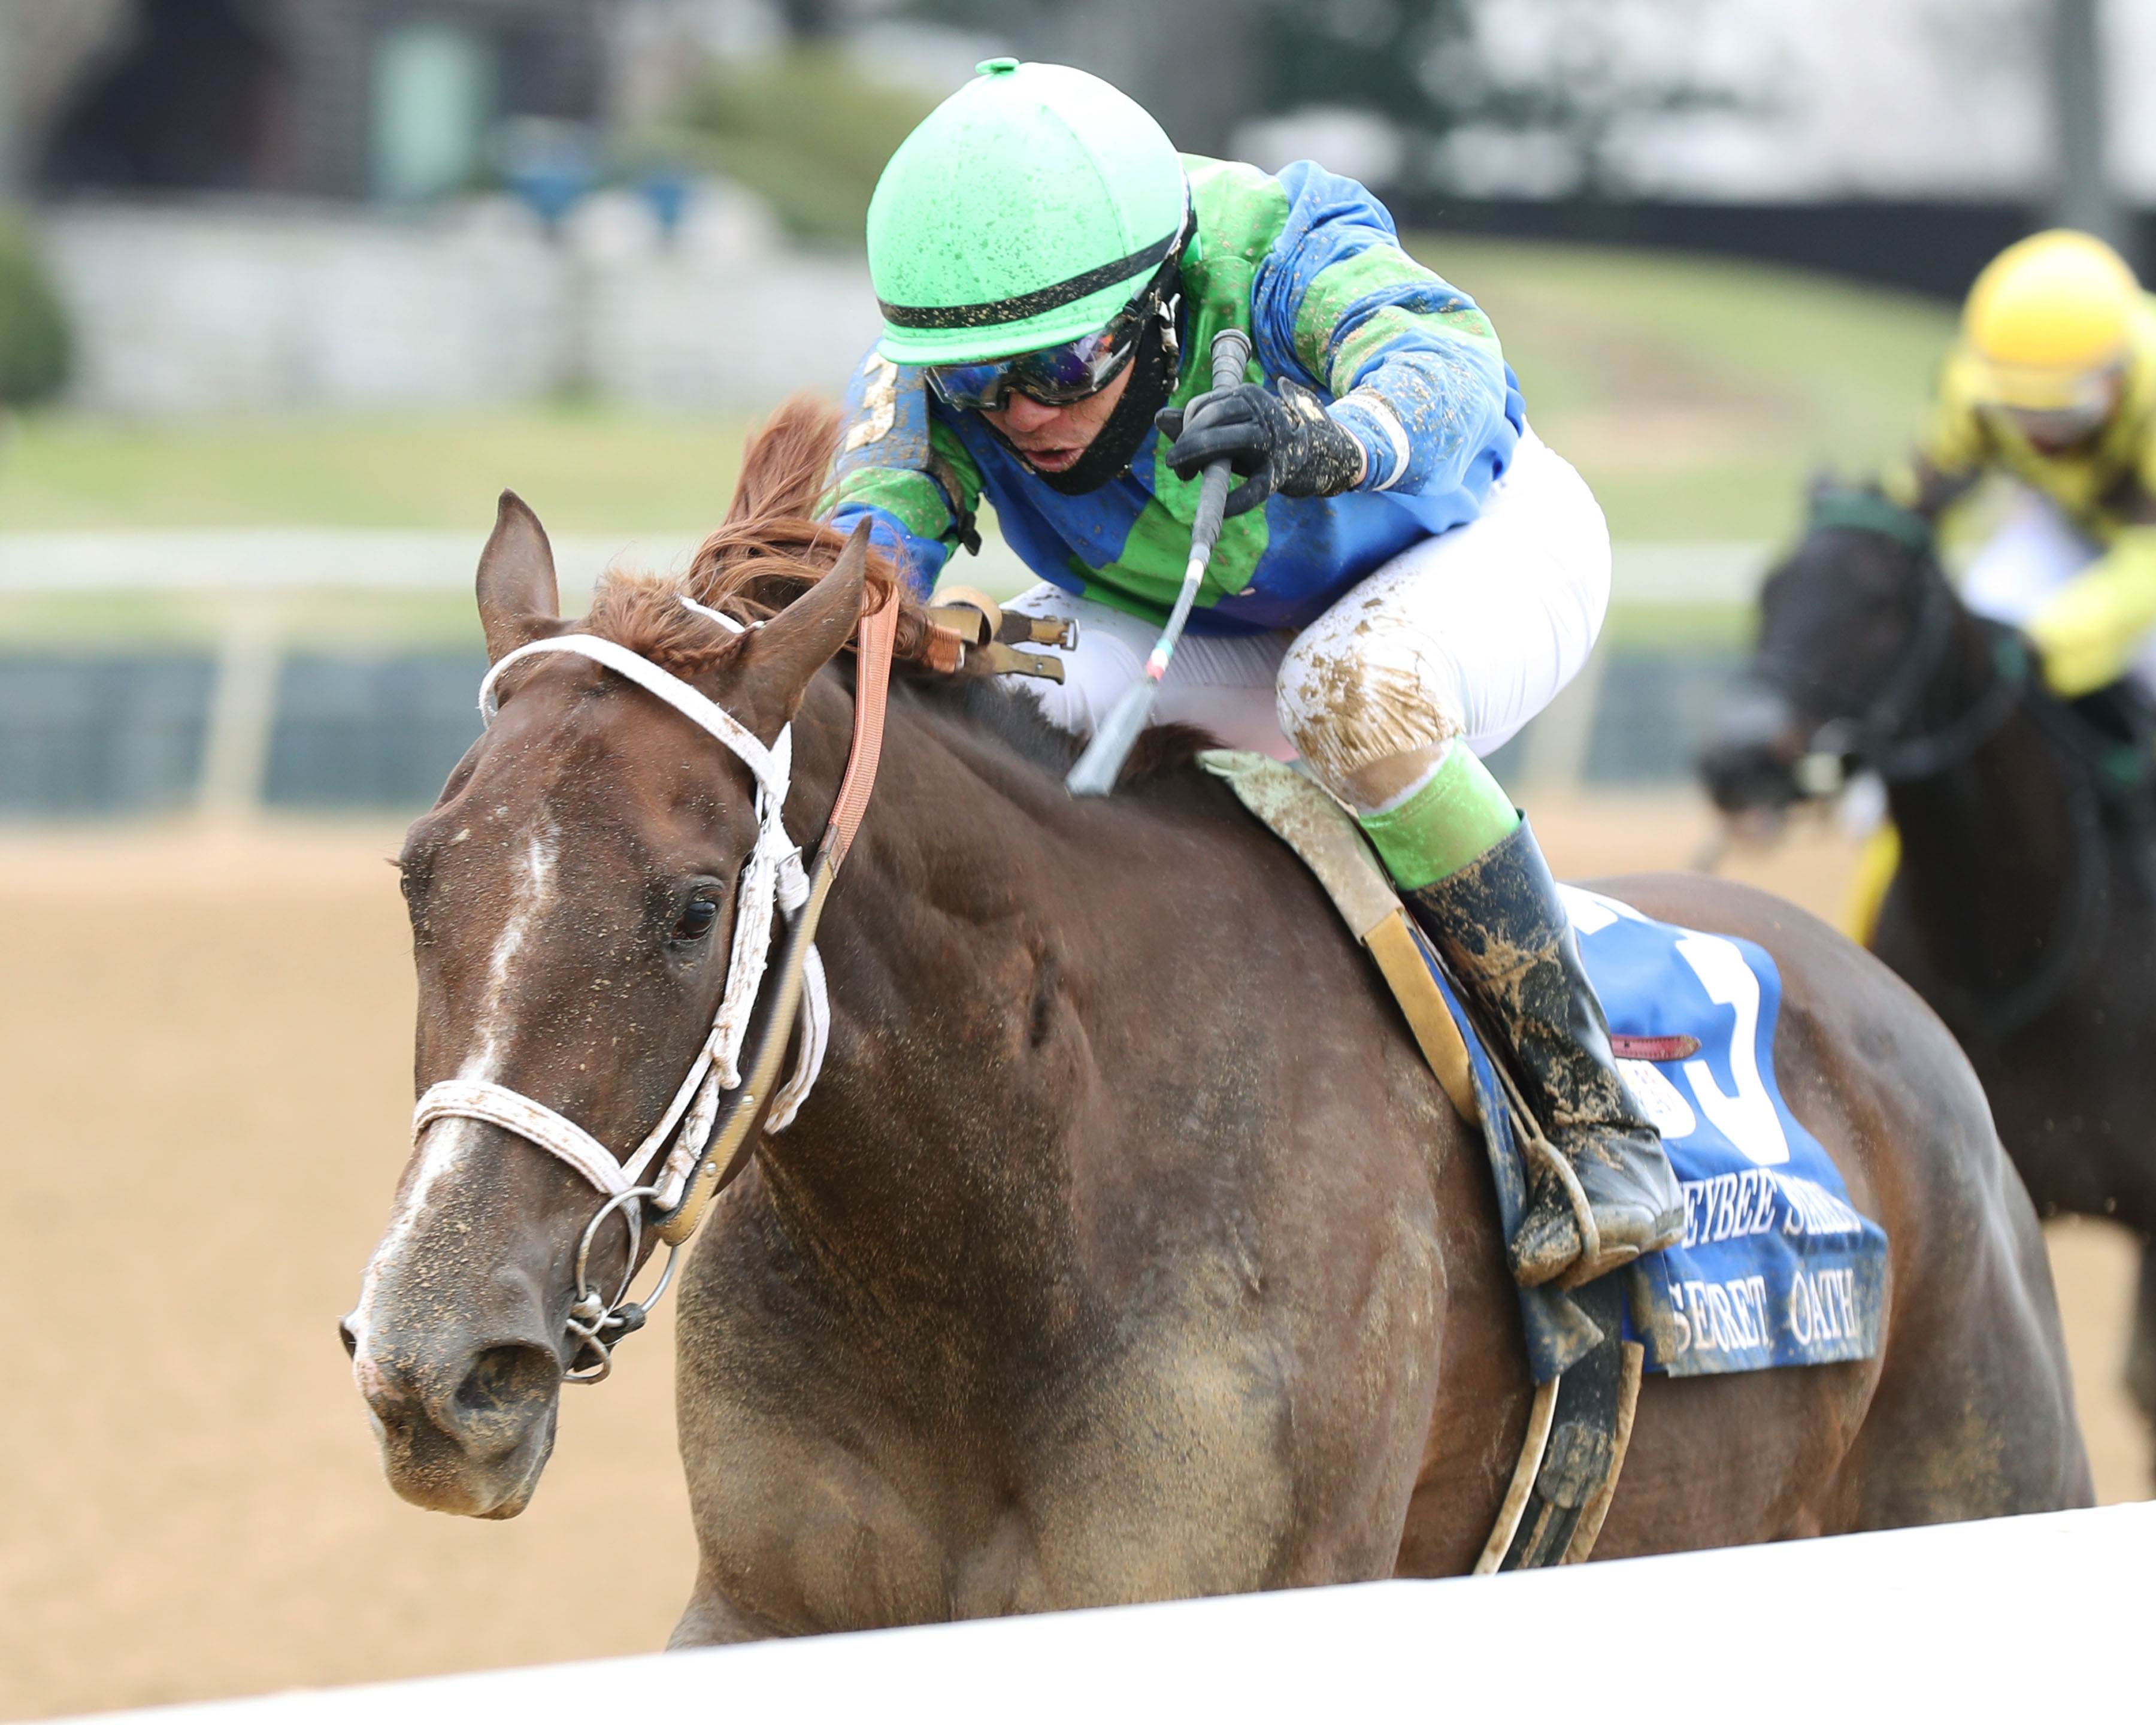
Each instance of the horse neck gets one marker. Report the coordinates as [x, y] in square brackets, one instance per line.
[1988, 843]
[930, 1166]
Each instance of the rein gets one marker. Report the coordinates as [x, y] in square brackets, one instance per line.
[1876, 737]
[710, 1145]
[1875, 740]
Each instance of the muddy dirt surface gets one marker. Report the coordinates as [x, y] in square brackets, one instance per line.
[204, 1052]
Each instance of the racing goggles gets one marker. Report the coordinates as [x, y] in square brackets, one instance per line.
[1054, 377]
[2073, 413]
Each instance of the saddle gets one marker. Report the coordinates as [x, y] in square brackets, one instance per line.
[1775, 1267]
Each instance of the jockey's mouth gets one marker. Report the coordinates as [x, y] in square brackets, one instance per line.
[1051, 458]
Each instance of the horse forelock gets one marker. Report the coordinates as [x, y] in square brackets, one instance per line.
[771, 548]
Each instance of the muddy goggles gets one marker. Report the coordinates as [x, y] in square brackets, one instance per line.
[2059, 424]
[1070, 371]
[1055, 377]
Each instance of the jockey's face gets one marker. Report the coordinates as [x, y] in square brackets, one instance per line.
[1053, 439]
[2053, 431]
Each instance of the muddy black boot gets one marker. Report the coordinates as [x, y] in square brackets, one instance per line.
[1503, 929]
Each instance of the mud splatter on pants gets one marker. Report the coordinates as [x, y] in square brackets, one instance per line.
[1467, 635]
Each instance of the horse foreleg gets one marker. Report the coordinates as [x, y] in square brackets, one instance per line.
[712, 1619]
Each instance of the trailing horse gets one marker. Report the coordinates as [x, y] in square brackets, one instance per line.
[2023, 906]
[1124, 1247]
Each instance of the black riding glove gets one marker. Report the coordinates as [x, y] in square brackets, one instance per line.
[1285, 443]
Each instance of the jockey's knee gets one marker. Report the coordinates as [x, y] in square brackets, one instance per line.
[1371, 717]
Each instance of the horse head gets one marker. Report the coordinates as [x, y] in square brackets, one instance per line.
[571, 897]
[1853, 626]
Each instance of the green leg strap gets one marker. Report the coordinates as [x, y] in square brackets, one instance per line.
[1458, 814]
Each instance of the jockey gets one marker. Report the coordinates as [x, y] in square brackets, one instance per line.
[2053, 383]
[1407, 575]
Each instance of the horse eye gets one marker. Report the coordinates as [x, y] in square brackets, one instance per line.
[697, 917]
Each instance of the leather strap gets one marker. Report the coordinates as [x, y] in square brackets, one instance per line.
[733, 1139]
[1393, 943]
[879, 634]
[1653, 1048]
[477, 1099]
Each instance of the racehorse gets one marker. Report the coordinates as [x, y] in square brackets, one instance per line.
[1125, 1248]
[2023, 908]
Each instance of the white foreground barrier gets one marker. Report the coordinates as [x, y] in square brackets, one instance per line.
[2036, 1618]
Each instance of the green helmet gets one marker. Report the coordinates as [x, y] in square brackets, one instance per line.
[1025, 211]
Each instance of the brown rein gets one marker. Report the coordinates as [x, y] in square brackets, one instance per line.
[732, 1140]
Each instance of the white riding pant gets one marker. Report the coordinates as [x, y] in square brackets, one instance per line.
[1466, 635]
[2036, 552]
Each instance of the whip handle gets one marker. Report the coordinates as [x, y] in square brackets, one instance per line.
[1231, 352]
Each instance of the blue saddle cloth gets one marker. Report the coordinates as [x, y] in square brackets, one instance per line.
[1776, 1267]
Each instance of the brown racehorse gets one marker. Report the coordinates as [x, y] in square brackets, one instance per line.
[1125, 1249]
[2025, 906]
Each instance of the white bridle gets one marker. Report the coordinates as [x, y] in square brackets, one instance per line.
[772, 879]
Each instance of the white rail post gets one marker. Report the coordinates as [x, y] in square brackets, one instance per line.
[243, 711]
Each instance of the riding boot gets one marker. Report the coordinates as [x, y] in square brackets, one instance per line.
[1503, 929]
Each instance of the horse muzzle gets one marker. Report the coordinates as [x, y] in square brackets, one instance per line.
[1749, 765]
[463, 1427]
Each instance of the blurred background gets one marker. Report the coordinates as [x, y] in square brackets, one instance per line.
[291, 289]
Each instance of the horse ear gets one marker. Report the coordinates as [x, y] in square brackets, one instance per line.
[777, 661]
[519, 599]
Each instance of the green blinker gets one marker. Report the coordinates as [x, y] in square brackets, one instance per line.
[1025, 211]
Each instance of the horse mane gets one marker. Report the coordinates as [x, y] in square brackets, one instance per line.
[771, 547]
[769, 550]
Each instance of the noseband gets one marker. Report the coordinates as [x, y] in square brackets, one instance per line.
[707, 1148]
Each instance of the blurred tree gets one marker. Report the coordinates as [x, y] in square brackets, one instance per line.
[808, 20]
[2084, 197]
[37, 349]
[806, 131]
[1579, 78]
[1572, 76]
[1196, 65]
[1410, 60]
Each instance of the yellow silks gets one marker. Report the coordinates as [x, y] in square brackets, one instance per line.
[2087, 632]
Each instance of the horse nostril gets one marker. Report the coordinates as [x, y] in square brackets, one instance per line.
[1742, 777]
[502, 1378]
[347, 1335]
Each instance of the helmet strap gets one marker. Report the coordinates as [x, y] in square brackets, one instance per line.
[1152, 374]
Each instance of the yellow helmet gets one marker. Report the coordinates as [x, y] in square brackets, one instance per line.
[2048, 319]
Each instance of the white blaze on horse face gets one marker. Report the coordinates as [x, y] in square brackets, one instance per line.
[537, 867]
[443, 1145]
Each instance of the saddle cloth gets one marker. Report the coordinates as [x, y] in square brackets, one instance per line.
[1776, 1267]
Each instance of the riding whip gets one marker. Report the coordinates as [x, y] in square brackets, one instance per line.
[1095, 775]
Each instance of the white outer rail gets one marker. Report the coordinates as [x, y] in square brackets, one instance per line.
[2037, 1618]
[291, 559]
[253, 570]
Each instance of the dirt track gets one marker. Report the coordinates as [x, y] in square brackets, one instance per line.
[203, 1050]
